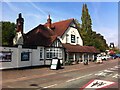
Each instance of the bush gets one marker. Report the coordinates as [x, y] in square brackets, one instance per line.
[68, 62]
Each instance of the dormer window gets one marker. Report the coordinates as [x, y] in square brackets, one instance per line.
[72, 38]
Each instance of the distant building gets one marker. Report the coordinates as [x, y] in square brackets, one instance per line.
[112, 45]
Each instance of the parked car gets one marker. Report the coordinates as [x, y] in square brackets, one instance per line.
[114, 56]
[105, 57]
[118, 55]
[99, 59]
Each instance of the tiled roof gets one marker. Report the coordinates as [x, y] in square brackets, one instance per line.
[62, 26]
[41, 35]
[80, 49]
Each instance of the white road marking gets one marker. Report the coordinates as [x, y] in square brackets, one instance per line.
[104, 73]
[50, 86]
[116, 67]
[78, 78]
[70, 80]
[116, 76]
[108, 71]
[84, 76]
[101, 74]
[113, 69]
[110, 75]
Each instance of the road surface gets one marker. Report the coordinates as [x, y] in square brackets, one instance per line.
[72, 77]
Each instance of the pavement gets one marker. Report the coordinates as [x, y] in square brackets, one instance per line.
[29, 73]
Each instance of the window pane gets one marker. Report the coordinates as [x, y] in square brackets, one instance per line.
[47, 55]
[72, 38]
[25, 56]
[41, 52]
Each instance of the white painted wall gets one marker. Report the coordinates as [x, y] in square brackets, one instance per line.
[72, 31]
[36, 57]
[14, 62]
[23, 63]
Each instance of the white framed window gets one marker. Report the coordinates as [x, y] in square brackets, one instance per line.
[72, 38]
[53, 52]
[41, 53]
[48, 53]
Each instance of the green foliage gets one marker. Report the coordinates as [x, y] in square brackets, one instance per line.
[99, 42]
[86, 29]
[8, 33]
[68, 62]
[90, 37]
[117, 50]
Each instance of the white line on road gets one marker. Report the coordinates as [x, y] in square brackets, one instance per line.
[108, 71]
[78, 78]
[50, 86]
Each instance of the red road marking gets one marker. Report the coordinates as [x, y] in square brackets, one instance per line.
[86, 84]
[97, 88]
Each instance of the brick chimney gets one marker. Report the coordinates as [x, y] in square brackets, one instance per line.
[20, 23]
[49, 22]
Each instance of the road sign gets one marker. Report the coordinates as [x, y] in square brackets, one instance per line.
[97, 84]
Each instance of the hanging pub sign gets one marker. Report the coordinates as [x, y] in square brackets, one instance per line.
[25, 56]
[5, 56]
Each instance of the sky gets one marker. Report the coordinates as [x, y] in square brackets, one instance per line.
[104, 15]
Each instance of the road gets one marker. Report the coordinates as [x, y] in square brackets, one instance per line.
[72, 77]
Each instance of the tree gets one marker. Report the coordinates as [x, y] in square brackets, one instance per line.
[90, 37]
[99, 42]
[8, 33]
[86, 29]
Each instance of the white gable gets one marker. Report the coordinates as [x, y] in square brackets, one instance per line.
[57, 43]
[72, 36]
